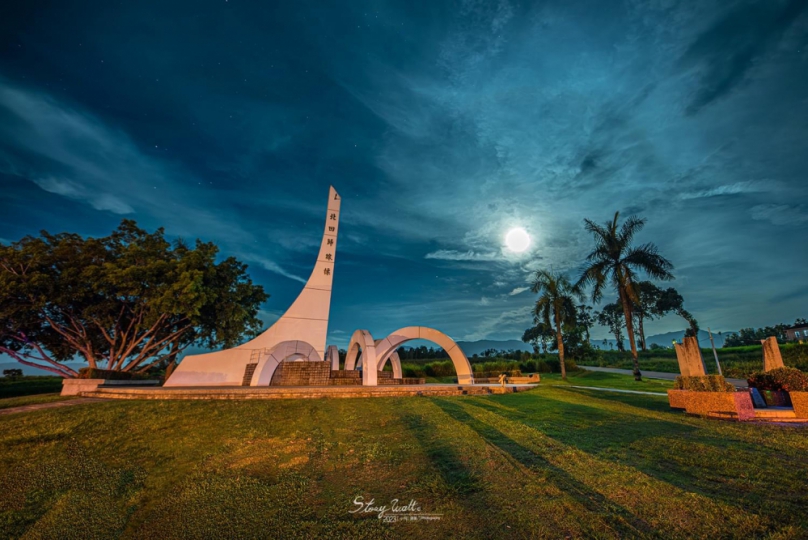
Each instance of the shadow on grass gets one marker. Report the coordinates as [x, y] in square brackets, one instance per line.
[588, 427]
[651, 403]
[707, 459]
[618, 517]
[458, 480]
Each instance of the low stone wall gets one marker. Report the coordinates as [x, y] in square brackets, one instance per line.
[534, 378]
[74, 387]
[345, 377]
[677, 399]
[799, 401]
[301, 374]
[734, 403]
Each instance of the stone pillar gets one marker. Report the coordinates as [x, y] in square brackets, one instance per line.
[771, 354]
[688, 354]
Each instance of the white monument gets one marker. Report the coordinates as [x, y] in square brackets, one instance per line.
[300, 335]
[304, 323]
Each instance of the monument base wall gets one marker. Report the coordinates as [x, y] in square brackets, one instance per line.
[301, 374]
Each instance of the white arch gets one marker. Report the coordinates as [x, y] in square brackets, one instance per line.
[362, 339]
[270, 359]
[396, 362]
[359, 362]
[332, 355]
[388, 346]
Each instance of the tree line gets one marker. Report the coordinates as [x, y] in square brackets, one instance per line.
[753, 336]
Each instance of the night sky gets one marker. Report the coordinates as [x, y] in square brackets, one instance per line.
[442, 125]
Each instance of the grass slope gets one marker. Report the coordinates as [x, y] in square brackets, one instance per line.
[554, 462]
[8, 403]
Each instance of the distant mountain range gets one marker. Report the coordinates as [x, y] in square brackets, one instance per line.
[663, 340]
[666, 340]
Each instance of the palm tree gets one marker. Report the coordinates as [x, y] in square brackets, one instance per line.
[555, 306]
[616, 261]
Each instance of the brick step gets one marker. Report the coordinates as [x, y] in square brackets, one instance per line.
[775, 413]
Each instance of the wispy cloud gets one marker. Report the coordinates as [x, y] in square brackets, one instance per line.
[70, 152]
[99, 201]
[452, 255]
[729, 189]
[781, 214]
[518, 290]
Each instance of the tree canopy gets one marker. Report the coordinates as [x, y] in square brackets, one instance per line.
[555, 307]
[617, 262]
[124, 302]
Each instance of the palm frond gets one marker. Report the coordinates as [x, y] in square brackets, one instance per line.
[647, 258]
[630, 227]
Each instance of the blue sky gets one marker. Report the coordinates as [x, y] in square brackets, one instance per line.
[442, 125]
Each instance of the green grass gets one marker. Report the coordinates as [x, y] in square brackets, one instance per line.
[29, 385]
[554, 462]
[7, 403]
[607, 380]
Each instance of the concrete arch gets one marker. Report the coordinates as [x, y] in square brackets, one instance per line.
[396, 362]
[388, 346]
[269, 359]
[332, 356]
[359, 362]
[362, 339]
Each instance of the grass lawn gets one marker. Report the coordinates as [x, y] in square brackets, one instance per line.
[554, 462]
[32, 400]
[607, 380]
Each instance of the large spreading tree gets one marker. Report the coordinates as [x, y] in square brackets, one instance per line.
[128, 302]
[616, 262]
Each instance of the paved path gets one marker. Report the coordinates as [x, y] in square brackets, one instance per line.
[656, 374]
[51, 405]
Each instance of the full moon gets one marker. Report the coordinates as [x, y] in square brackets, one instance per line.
[517, 240]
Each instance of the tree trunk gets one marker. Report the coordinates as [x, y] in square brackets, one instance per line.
[641, 330]
[630, 331]
[618, 338]
[560, 339]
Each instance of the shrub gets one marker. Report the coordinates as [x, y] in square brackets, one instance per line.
[413, 372]
[95, 373]
[12, 374]
[555, 365]
[495, 374]
[706, 383]
[440, 369]
[540, 367]
[784, 378]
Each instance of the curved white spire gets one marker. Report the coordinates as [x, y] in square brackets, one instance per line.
[306, 320]
[307, 317]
